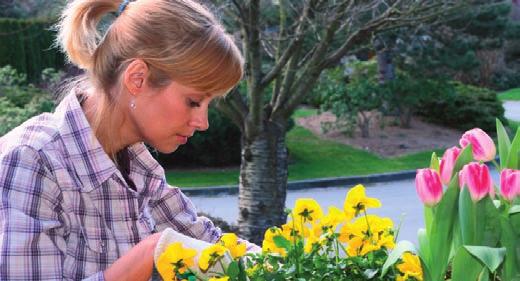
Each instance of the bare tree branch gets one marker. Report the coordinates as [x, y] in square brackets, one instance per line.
[297, 40]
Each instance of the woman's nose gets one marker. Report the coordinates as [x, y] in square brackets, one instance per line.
[200, 120]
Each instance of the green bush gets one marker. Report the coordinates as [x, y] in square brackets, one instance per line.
[27, 46]
[20, 101]
[464, 107]
[217, 147]
[349, 101]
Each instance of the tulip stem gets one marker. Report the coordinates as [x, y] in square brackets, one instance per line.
[496, 164]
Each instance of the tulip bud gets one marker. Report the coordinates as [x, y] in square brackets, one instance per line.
[477, 178]
[429, 187]
[482, 145]
[447, 163]
[510, 183]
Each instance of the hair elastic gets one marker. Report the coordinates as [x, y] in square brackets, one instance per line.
[122, 6]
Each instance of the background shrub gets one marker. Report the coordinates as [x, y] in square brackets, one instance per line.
[27, 46]
[464, 107]
[19, 100]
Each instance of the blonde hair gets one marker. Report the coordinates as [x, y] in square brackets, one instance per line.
[178, 39]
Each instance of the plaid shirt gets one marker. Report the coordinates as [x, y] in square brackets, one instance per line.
[66, 211]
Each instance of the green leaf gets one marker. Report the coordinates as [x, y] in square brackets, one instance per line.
[465, 266]
[504, 144]
[424, 245]
[401, 247]
[441, 235]
[508, 240]
[233, 270]
[514, 210]
[282, 242]
[467, 218]
[512, 161]
[465, 156]
[490, 257]
[434, 163]
[370, 273]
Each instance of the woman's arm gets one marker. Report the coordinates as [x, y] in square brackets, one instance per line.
[137, 264]
[173, 209]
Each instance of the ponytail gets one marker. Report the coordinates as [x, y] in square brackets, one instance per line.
[78, 35]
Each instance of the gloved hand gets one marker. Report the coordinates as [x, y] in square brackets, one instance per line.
[170, 236]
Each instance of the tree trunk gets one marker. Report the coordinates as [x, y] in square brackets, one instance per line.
[385, 66]
[405, 117]
[263, 183]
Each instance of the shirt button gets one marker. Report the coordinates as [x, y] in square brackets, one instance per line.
[103, 245]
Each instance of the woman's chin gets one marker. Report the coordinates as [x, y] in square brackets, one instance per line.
[166, 149]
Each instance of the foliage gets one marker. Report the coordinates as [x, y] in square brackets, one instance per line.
[467, 46]
[27, 46]
[404, 94]
[30, 8]
[18, 100]
[218, 146]
[512, 94]
[352, 102]
[463, 107]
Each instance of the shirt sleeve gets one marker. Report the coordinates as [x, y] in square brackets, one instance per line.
[171, 208]
[30, 226]
[174, 209]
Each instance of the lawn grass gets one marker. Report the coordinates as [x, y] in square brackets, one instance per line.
[310, 157]
[513, 94]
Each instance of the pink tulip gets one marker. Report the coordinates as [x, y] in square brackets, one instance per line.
[478, 180]
[429, 187]
[447, 163]
[510, 183]
[482, 145]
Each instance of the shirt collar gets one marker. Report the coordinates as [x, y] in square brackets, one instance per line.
[90, 162]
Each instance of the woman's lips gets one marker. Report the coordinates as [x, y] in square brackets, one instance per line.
[181, 139]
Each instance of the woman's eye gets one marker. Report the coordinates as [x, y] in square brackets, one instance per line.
[193, 103]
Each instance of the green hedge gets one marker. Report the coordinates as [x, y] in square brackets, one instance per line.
[27, 46]
[464, 107]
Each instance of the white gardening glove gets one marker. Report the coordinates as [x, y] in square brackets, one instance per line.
[170, 236]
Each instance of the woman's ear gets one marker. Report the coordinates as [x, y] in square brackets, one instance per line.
[134, 76]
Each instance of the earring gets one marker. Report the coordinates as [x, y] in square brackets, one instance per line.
[132, 104]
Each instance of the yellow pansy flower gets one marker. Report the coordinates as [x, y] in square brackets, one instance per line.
[367, 234]
[329, 222]
[211, 255]
[268, 245]
[293, 231]
[356, 201]
[175, 258]
[307, 209]
[309, 242]
[410, 267]
[230, 241]
[225, 278]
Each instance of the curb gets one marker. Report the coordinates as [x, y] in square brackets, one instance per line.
[312, 183]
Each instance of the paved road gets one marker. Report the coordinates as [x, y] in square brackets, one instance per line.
[512, 110]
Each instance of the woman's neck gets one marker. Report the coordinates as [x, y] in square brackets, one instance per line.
[108, 124]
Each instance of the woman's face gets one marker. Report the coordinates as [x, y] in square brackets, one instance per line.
[166, 118]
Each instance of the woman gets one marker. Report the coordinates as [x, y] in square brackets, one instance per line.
[82, 198]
